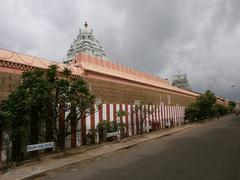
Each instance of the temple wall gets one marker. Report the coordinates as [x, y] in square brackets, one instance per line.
[110, 91]
[9, 81]
[113, 92]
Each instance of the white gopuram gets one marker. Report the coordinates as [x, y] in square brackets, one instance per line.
[85, 43]
[181, 81]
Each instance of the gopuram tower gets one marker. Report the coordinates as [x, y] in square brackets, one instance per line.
[85, 43]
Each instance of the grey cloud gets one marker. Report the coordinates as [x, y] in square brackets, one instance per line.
[200, 38]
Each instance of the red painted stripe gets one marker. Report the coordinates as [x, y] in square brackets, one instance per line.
[0, 146]
[149, 118]
[178, 113]
[114, 112]
[167, 113]
[108, 111]
[145, 114]
[156, 120]
[132, 119]
[127, 126]
[159, 117]
[121, 108]
[100, 113]
[165, 116]
[83, 130]
[161, 114]
[137, 119]
[174, 115]
[183, 113]
[153, 118]
[92, 117]
[141, 118]
[157, 114]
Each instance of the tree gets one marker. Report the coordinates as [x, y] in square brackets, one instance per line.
[203, 108]
[144, 113]
[80, 104]
[32, 112]
[16, 119]
[206, 102]
[39, 95]
[193, 112]
[220, 110]
[231, 106]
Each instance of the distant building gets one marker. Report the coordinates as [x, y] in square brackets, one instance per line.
[85, 43]
[180, 80]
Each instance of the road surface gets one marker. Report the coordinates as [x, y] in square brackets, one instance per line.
[207, 152]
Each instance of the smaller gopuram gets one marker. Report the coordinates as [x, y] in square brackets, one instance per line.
[85, 43]
[181, 81]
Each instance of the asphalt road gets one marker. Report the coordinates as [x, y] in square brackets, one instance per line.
[207, 152]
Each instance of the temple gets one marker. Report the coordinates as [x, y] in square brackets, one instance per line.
[85, 43]
[116, 87]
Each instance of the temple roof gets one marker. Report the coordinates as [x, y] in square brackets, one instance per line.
[33, 61]
[85, 43]
[98, 65]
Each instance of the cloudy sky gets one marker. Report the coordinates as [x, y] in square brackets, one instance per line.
[164, 37]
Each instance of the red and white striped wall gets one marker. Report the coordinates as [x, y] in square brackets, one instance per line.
[156, 117]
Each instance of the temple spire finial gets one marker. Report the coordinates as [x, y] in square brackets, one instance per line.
[86, 24]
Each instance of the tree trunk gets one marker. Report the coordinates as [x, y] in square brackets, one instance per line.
[62, 126]
[16, 149]
[83, 129]
[49, 126]
[73, 127]
[0, 145]
[34, 128]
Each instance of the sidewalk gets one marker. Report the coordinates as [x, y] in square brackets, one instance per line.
[54, 161]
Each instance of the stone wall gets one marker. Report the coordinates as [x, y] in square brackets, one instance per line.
[8, 82]
[110, 92]
[113, 92]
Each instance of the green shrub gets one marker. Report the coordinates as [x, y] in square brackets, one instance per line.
[220, 110]
[205, 107]
[192, 112]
